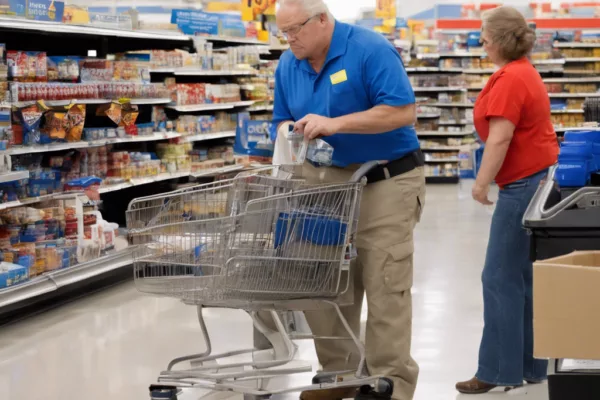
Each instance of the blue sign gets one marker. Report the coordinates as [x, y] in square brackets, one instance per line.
[192, 22]
[41, 10]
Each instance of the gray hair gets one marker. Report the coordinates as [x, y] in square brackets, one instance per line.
[312, 7]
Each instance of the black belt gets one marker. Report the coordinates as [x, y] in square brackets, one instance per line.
[397, 167]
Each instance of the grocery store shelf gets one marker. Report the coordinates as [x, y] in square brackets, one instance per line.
[33, 200]
[208, 136]
[442, 160]
[567, 111]
[442, 179]
[438, 89]
[72, 29]
[234, 40]
[568, 95]
[269, 107]
[480, 71]
[201, 72]
[13, 176]
[581, 59]
[461, 122]
[210, 107]
[217, 171]
[429, 115]
[424, 56]
[476, 87]
[465, 105]
[150, 101]
[53, 281]
[422, 69]
[442, 148]
[573, 80]
[62, 103]
[574, 45]
[142, 181]
[579, 72]
[168, 176]
[552, 61]
[13, 151]
[443, 133]
[462, 54]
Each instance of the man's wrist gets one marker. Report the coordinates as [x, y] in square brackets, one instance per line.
[338, 124]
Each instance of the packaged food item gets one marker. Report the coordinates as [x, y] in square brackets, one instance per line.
[56, 124]
[128, 118]
[112, 111]
[30, 119]
[76, 118]
[65, 69]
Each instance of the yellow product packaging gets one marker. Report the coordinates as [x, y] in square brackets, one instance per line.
[76, 117]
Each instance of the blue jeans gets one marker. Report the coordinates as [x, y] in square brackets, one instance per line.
[506, 351]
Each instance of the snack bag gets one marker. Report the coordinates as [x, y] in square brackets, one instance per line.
[129, 116]
[76, 117]
[112, 111]
[31, 118]
[57, 124]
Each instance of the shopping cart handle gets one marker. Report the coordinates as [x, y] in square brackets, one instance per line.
[364, 170]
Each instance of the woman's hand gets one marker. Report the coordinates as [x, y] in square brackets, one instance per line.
[480, 194]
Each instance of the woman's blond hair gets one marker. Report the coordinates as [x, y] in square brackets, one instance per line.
[509, 30]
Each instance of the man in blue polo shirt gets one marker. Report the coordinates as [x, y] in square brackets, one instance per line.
[348, 86]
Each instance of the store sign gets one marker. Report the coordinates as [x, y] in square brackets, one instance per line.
[385, 9]
[192, 22]
[122, 21]
[41, 10]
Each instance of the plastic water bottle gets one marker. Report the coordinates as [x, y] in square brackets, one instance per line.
[320, 152]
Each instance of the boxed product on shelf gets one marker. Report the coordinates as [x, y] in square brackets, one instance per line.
[27, 66]
[442, 170]
[12, 274]
[201, 93]
[82, 91]
[98, 70]
[61, 68]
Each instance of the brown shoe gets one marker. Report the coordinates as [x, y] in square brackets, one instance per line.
[474, 386]
[329, 394]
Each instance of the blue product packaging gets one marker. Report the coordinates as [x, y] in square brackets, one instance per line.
[12, 274]
[575, 162]
[253, 138]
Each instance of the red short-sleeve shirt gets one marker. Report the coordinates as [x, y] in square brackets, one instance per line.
[516, 92]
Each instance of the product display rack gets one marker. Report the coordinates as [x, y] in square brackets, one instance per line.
[570, 65]
[28, 35]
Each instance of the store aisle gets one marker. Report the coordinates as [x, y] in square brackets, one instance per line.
[110, 346]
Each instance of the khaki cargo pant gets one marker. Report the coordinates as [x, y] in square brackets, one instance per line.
[389, 211]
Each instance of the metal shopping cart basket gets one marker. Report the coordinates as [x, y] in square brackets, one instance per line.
[256, 243]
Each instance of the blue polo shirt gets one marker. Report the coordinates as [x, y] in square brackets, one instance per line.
[362, 70]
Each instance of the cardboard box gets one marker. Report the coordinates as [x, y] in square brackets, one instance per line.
[566, 306]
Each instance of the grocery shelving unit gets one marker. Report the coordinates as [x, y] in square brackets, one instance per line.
[29, 35]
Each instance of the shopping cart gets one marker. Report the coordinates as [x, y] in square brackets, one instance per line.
[256, 243]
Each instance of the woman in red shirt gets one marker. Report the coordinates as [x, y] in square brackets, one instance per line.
[512, 117]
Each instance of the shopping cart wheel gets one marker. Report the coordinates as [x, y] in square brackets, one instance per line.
[382, 391]
[163, 392]
[324, 377]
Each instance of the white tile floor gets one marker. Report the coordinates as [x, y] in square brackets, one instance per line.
[110, 346]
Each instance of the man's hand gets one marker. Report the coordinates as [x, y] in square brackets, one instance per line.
[313, 126]
[480, 194]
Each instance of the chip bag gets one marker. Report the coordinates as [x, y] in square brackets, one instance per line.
[76, 117]
[112, 111]
[57, 124]
[130, 114]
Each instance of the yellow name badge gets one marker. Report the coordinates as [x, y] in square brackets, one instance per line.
[338, 77]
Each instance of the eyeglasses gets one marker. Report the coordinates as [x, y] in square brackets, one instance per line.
[292, 32]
